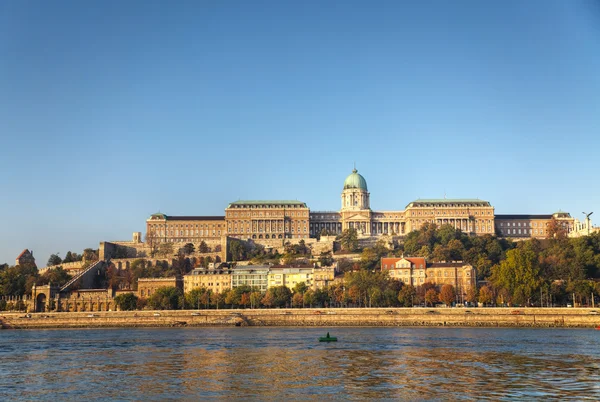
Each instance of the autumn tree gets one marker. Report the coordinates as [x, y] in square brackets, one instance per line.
[406, 295]
[485, 295]
[431, 297]
[447, 295]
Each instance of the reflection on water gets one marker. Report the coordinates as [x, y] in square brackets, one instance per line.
[393, 363]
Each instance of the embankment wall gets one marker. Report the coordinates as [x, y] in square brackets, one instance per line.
[476, 317]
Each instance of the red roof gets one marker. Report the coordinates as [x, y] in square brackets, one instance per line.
[417, 261]
[23, 252]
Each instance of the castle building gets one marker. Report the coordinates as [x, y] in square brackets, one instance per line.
[532, 226]
[269, 221]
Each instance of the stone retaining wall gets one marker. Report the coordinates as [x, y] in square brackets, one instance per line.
[476, 317]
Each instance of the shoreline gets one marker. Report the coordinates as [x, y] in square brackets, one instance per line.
[508, 317]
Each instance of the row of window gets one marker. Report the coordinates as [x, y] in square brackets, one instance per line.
[273, 214]
[451, 213]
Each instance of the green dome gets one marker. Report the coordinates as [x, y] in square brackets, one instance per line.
[355, 181]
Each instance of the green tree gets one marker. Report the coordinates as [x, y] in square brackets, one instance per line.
[68, 257]
[349, 239]
[237, 250]
[165, 298]
[325, 259]
[57, 276]
[197, 298]
[203, 248]
[126, 301]
[300, 288]
[188, 249]
[54, 260]
[519, 273]
[309, 298]
[281, 295]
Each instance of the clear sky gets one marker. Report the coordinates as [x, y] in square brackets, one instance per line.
[113, 110]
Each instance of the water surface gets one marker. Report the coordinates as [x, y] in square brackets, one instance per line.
[267, 363]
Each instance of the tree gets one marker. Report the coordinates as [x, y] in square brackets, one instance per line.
[152, 242]
[300, 288]
[447, 295]
[197, 298]
[245, 299]
[126, 301]
[406, 295]
[68, 257]
[519, 273]
[268, 300]
[57, 276]
[54, 260]
[325, 259]
[369, 259]
[297, 300]
[431, 297]
[485, 295]
[90, 254]
[165, 298]
[188, 249]
[309, 298]
[281, 295]
[203, 248]
[165, 249]
[349, 239]
[237, 250]
[471, 294]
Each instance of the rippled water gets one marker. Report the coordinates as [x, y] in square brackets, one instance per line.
[267, 363]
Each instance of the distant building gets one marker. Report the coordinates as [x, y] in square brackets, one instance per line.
[25, 258]
[272, 222]
[416, 271]
[255, 276]
[216, 280]
[147, 286]
[532, 226]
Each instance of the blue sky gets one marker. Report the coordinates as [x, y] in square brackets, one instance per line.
[110, 111]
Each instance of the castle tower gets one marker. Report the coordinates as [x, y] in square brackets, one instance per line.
[355, 196]
[356, 206]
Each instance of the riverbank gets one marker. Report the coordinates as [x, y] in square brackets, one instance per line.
[457, 317]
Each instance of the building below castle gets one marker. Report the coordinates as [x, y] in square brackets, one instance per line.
[268, 220]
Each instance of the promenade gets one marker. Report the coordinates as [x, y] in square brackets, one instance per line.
[452, 317]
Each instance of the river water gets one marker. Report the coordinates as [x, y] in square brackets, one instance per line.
[276, 363]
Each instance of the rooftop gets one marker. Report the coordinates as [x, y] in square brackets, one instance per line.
[449, 201]
[267, 202]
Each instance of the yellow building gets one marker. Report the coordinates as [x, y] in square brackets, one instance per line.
[416, 271]
[147, 286]
[215, 280]
[267, 220]
[290, 277]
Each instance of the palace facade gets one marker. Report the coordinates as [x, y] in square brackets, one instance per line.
[278, 220]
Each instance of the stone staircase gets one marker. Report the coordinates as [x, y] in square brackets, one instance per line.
[91, 269]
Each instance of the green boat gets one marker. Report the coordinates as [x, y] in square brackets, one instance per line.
[328, 338]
